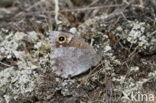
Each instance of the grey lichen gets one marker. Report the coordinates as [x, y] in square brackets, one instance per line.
[20, 78]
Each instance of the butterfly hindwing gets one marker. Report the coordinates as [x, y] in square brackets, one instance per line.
[72, 61]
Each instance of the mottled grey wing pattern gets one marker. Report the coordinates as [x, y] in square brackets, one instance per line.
[72, 61]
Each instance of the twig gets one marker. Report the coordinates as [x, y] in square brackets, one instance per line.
[56, 11]
[94, 2]
[91, 8]
[71, 10]
[5, 64]
[131, 55]
[35, 5]
[153, 33]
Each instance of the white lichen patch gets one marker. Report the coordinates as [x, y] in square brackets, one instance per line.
[135, 69]
[137, 34]
[129, 85]
[5, 76]
[152, 74]
[32, 36]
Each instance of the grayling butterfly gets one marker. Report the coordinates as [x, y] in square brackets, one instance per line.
[71, 55]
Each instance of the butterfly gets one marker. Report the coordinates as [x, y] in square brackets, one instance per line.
[71, 55]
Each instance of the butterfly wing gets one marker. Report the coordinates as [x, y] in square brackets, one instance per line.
[72, 61]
